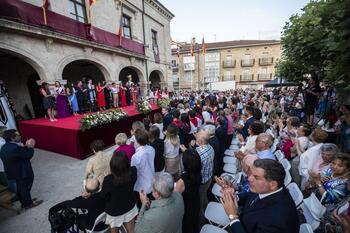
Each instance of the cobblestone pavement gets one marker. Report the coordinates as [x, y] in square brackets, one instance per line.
[57, 178]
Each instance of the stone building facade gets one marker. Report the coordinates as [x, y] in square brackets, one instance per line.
[250, 63]
[70, 40]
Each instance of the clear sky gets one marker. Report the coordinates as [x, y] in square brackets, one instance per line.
[223, 20]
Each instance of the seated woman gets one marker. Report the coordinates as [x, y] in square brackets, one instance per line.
[332, 183]
[248, 146]
[118, 188]
[98, 165]
[120, 141]
[188, 184]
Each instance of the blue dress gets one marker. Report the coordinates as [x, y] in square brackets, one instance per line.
[73, 101]
[335, 188]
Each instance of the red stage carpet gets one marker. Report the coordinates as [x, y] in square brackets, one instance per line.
[64, 136]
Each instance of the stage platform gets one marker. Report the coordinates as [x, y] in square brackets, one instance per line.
[65, 137]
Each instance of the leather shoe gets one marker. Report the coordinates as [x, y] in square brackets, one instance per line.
[34, 204]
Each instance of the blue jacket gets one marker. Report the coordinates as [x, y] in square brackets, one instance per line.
[244, 130]
[16, 160]
[276, 213]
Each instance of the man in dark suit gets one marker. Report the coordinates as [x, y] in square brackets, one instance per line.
[16, 159]
[268, 207]
[244, 129]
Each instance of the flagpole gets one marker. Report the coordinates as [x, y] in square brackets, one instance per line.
[44, 13]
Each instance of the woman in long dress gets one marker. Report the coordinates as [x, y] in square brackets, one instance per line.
[72, 98]
[61, 101]
[101, 100]
[122, 92]
[48, 101]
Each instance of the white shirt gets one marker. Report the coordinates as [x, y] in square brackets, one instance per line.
[261, 196]
[160, 127]
[115, 90]
[171, 151]
[206, 116]
[303, 142]
[307, 161]
[143, 160]
[249, 147]
[132, 141]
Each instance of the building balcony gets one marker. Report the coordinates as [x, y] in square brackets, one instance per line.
[247, 62]
[263, 77]
[228, 77]
[211, 79]
[189, 67]
[266, 61]
[175, 69]
[229, 64]
[247, 77]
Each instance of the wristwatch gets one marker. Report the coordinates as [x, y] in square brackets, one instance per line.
[232, 217]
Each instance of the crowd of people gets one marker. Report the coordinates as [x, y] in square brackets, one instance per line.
[160, 178]
[86, 96]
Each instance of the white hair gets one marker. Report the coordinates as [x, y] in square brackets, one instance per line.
[163, 183]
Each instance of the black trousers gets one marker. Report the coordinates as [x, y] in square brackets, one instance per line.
[23, 190]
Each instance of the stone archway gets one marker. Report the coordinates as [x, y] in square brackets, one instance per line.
[129, 70]
[21, 74]
[156, 79]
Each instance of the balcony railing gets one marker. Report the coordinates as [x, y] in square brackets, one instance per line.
[228, 77]
[247, 62]
[262, 77]
[247, 77]
[266, 61]
[189, 66]
[211, 79]
[175, 69]
[229, 64]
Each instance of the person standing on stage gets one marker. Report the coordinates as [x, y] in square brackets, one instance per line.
[115, 92]
[312, 92]
[107, 93]
[48, 101]
[128, 93]
[16, 159]
[80, 96]
[101, 100]
[72, 98]
[61, 101]
[122, 93]
[91, 95]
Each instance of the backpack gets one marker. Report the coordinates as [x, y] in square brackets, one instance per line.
[62, 221]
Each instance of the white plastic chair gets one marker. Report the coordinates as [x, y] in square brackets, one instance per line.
[216, 191]
[234, 147]
[101, 218]
[230, 159]
[286, 164]
[314, 223]
[305, 228]
[229, 152]
[296, 194]
[230, 168]
[215, 213]
[207, 228]
[287, 179]
[279, 155]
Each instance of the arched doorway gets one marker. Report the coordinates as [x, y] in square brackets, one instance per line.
[129, 71]
[77, 70]
[155, 79]
[21, 79]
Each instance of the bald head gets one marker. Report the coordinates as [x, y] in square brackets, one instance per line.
[263, 142]
[92, 185]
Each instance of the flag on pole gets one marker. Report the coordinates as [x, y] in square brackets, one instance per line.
[204, 48]
[193, 42]
[92, 2]
[45, 7]
[120, 30]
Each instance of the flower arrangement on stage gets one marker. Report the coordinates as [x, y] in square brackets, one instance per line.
[163, 102]
[101, 118]
[143, 106]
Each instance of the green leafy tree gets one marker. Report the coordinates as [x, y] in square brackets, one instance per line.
[317, 42]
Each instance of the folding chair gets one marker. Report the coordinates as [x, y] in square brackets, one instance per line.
[207, 228]
[230, 168]
[234, 147]
[216, 191]
[230, 159]
[287, 179]
[305, 228]
[279, 155]
[296, 194]
[216, 214]
[314, 223]
[286, 164]
[235, 141]
[101, 218]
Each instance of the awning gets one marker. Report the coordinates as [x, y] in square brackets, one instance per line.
[279, 82]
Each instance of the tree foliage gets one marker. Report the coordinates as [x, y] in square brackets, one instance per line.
[317, 42]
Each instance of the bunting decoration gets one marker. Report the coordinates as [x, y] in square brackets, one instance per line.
[45, 7]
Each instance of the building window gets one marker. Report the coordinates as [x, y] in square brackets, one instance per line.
[77, 10]
[127, 26]
[212, 67]
[263, 74]
[188, 76]
[173, 63]
[154, 38]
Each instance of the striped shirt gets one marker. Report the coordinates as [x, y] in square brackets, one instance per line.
[206, 153]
